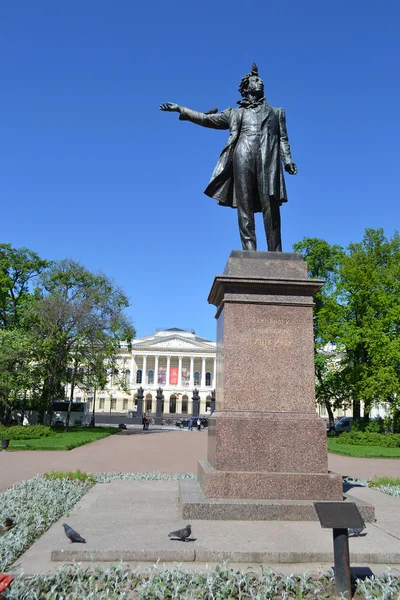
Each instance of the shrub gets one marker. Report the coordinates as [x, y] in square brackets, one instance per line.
[71, 475]
[358, 425]
[394, 481]
[369, 438]
[28, 432]
[373, 425]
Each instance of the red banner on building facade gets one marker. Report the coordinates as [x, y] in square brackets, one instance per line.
[173, 375]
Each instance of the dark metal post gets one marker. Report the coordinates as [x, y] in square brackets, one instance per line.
[93, 420]
[139, 406]
[195, 398]
[159, 400]
[213, 401]
[342, 562]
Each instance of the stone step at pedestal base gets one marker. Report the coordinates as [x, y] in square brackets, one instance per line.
[194, 506]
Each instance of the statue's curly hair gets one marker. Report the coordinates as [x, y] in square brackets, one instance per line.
[245, 80]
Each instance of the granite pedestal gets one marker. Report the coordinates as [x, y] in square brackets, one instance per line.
[265, 440]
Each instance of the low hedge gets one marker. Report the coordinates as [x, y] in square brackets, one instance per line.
[25, 432]
[369, 438]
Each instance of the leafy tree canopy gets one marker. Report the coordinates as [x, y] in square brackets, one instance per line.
[358, 311]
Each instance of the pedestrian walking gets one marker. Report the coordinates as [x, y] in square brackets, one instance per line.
[198, 424]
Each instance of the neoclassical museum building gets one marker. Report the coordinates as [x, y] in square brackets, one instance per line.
[176, 360]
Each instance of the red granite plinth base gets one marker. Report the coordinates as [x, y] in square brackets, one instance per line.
[268, 486]
[265, 440]
[277, 442]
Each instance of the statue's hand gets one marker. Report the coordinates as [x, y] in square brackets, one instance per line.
[291, 168]
[170, 107]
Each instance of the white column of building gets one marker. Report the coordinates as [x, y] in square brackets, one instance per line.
[203, 371]
[156, 370]
[191, 379]
[180, 372]
[214, 372]
[144, 370]
[131, 380]
[168, 368]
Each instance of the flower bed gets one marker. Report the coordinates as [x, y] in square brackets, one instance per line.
[218, 583]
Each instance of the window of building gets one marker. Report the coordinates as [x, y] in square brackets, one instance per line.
[125, 404]
[113, 403]
[172, 404]
[101, 403]
[184, 404]
[139, 376]
[127, 377]
[196, 378]
[114, 379]
[208, 378]
[78, 399]
[149, 402]
[150, 376]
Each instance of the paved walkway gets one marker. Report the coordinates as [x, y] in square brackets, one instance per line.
[129, 521]
[165, 451]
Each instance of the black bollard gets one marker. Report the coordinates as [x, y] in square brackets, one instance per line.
[213, 401]
[159, 399]
[139, 406]
[196, 400]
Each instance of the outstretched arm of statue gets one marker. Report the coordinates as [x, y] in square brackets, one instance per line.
[286, 155]
[214, 121]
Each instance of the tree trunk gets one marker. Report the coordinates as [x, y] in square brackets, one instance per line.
[330, 415]
[71, 397]
[93, 421]
[356, 410]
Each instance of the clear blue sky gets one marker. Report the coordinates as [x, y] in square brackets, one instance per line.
[92, 170]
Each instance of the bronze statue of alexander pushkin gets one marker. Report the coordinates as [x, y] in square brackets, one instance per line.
[249, 174]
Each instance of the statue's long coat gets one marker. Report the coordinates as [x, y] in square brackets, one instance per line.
[274, 147]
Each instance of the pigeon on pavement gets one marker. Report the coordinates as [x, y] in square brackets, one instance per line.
[212, 111]
[73, 535]
[8, 525]
[182, 534]
[355, 531]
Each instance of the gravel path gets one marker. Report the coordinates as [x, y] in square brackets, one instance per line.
[164, 451]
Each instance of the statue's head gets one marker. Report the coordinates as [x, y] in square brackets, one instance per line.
[252, 84]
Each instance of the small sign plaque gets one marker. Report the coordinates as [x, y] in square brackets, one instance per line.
[338, 515]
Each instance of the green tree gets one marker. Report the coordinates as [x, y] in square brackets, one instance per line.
[19, 267]
[323, 262]
[73, 312]
[367, 322]
[358, 311]
[19, 377]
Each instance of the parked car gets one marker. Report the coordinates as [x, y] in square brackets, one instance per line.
[344, 424]
[181, 423]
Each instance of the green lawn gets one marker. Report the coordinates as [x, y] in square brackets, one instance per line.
[59, 440]
[336, 447]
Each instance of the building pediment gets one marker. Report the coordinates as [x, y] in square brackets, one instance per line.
[174, 343]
